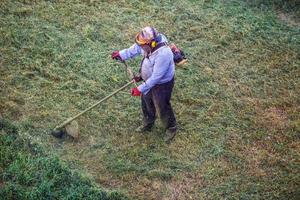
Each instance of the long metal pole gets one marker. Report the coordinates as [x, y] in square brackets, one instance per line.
[94, 105]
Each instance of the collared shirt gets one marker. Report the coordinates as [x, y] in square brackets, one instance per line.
[156, 68]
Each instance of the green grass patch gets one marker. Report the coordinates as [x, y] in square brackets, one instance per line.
[27, 172]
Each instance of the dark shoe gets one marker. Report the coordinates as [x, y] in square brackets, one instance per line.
[170, 134]
[143, 128]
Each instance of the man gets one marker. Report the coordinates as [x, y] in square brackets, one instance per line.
[157, 71]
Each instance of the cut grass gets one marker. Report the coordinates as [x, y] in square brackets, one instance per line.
[236, 102]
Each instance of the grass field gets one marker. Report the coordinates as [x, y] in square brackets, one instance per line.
[236, 101]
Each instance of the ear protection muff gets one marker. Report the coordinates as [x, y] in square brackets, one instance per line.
[153, 44]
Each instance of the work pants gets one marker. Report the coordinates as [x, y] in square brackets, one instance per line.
[157, 101]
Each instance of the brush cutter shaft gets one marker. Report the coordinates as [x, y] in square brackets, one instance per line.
[91, 107]
[129, 72]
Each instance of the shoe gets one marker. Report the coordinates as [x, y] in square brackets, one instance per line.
[143, 128]
[170, 134]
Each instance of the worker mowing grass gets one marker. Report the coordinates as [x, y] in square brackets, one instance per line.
[157, 72]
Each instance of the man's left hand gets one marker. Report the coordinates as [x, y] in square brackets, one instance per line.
[116, 55]
[137, 78]
[135, 92]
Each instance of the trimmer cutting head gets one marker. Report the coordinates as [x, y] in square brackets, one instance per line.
[58, 133]
[71, 129]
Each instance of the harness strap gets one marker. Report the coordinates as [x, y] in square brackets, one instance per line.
[158, 46]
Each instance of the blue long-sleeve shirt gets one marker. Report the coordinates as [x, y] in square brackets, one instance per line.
[157, 68]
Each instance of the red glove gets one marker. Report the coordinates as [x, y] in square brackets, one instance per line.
[135, 92]
[116, 55]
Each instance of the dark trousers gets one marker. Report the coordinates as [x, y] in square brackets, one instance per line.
[157, 100]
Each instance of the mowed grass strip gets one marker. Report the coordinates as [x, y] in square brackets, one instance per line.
[236, 101]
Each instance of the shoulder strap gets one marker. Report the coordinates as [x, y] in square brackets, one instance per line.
[158, 46]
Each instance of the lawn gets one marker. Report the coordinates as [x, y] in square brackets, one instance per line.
[236, 100]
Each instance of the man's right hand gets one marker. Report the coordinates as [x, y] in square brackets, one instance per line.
[116, 55]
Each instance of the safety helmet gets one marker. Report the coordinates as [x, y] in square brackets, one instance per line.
[146, 35]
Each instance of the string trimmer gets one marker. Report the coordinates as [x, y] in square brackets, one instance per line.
[70, 126]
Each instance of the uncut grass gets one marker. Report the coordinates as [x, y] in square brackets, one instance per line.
[28, 172]
[242, 65]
